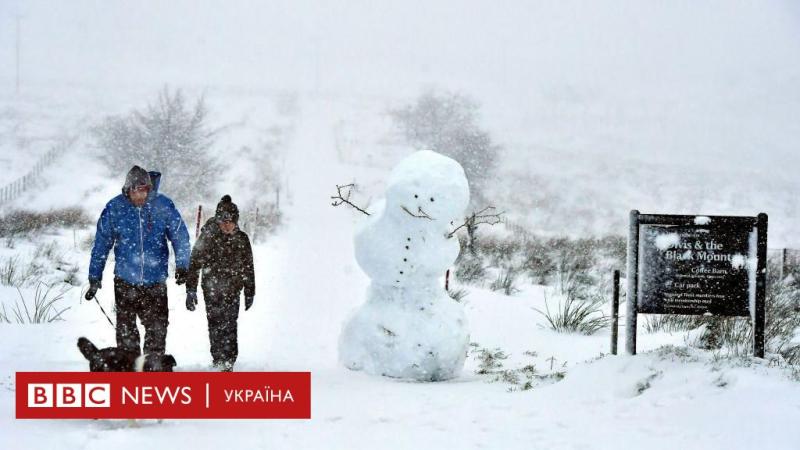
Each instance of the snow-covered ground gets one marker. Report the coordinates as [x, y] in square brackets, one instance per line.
[308, 282]
[669, 107]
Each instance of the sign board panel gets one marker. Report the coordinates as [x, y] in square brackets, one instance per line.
[696, 269]
[683, 264]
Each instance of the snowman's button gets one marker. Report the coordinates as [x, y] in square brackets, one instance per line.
[406, 247]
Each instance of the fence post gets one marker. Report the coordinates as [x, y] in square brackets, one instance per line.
[784, 263]
[615, 313]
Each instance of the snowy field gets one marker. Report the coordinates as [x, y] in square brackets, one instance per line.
[307, 284]
[687, 107]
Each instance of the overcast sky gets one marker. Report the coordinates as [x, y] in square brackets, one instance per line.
[391, 45]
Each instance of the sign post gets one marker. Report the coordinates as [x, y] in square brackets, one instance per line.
[697, 265]
[615, 312]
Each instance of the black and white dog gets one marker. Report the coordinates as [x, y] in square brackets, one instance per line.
[115, 359]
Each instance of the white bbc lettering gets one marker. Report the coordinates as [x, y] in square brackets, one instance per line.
[69, 396]
[40, 395]
[97, 395]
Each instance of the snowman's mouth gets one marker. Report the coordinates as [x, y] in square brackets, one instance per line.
[421, 214]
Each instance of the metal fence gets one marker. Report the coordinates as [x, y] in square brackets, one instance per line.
[13, 190]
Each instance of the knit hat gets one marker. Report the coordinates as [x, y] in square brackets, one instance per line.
[227, 210]
[136, 177]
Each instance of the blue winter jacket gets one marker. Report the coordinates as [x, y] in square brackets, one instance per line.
[139, 237]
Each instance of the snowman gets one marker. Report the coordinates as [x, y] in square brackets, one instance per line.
[409, 327]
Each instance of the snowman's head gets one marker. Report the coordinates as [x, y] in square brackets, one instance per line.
[428, 185]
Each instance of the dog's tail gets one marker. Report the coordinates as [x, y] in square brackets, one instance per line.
[86, 347]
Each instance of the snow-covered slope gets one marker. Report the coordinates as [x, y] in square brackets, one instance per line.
[675, 107]
[308, 282]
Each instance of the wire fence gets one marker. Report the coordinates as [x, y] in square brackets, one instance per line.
[788, 259]
[16, 188]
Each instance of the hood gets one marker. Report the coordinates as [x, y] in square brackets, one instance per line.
[155, 181]
[155, 178]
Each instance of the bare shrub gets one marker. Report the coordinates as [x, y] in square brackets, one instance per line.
[28, 223]
[469, 268]
[168, 136]
[447, 122]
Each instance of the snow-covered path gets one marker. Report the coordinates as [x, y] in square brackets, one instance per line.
[306, 276]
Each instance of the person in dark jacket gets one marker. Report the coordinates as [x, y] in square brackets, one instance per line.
[224, 256]
[137, 225]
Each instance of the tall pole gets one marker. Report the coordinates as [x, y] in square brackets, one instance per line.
[17, 54]
[632, 277]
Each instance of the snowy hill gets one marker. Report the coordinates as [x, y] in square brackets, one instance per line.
[680, 107]
[308, 283]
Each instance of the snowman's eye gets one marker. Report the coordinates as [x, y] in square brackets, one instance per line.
[431, 198]
[416, 196]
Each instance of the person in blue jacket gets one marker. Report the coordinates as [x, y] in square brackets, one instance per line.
[137, 224]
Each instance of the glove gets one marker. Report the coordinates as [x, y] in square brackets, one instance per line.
[94, 285]
[180, 276]
[248, 302]
[191, 300]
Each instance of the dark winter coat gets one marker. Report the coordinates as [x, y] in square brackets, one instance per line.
[139, 238]
[226, 261]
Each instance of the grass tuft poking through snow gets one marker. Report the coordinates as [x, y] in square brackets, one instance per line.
[42, 308]
[571, 315]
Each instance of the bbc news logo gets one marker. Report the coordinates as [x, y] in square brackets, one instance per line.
[195, 395]
[69, 395]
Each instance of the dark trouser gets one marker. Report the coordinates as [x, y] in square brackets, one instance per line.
[222, 311]
[149, 303]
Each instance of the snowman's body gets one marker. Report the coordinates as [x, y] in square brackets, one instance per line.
[409, 327]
